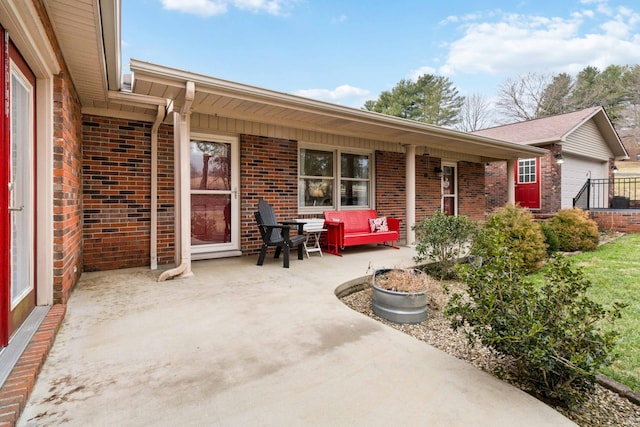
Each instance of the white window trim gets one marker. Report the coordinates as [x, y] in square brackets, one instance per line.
[337, 152]
[453, 165]
[535, 170]
[232, 248]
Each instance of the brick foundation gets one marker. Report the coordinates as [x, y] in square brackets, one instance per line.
[622, 221]
[16, 390]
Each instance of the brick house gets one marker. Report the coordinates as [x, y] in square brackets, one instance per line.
[100, 173]
[581, 145]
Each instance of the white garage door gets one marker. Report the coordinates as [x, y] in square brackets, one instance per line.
[575, 172]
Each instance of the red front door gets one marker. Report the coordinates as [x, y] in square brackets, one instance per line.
[17, 194]
[528, 183]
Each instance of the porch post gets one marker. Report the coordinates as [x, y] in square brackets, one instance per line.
[182, 145]
[410, 193]
[185, 183]
[511, 182]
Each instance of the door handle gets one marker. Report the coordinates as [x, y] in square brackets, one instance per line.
[16, 208]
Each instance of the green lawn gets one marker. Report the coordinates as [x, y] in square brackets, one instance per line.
[614, 271]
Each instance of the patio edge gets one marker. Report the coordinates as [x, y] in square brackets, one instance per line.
[16, 390]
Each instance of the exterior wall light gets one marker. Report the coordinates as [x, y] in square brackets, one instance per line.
[438, 171]
[559, 159]
[614, 169]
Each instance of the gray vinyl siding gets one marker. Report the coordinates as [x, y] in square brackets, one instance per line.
[587, 141]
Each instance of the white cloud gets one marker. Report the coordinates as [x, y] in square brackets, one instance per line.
[208, 8]
[516, 44]
[346, 95]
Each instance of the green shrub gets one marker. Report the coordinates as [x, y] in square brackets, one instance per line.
[552, 332]
[550, 238]
[516, 229]
[575, 230]
[444, 239]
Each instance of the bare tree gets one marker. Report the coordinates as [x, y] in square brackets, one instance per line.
[475, 113]
[522, 98]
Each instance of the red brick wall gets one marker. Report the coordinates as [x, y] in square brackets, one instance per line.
[626, 222]
[67, 175]
[495, 178]
[428, 187]
[166, 196]
[269, 169]
[471, 200]
[390, 187]
[117, 193]
[550, 190]
[67, 193]
[495, 175]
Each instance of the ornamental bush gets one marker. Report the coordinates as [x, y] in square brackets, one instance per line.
[550, 238]
[515, 228]
[444, 239]
[552, 332]
[575, 230]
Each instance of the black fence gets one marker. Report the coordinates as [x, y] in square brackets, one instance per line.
[614, 193]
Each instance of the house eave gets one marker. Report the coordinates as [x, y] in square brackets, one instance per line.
[223, 98]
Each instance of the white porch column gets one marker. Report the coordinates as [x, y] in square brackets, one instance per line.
[410, 186]
[511, 182]
[185, 179]
[182, 145]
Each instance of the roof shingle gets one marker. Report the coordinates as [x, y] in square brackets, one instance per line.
[545, 129]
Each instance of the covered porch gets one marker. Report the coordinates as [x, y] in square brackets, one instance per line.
[412, 168]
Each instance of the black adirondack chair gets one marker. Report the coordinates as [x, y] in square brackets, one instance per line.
[277, 234]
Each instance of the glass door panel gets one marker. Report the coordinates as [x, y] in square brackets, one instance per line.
[210, 219]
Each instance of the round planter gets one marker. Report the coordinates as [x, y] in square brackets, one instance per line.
[399, 307]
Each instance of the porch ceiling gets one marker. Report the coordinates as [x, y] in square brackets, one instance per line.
[88, 32]
[224, 98]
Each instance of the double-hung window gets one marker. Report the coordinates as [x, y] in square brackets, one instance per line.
[333, 179]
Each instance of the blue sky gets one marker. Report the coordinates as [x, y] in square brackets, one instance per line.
[349, 51]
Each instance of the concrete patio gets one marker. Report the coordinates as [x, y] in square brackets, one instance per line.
[242, 345]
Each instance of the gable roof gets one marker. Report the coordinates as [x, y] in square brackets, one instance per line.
[556, 129]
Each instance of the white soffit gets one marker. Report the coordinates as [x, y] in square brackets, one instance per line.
[78, 28]
[223, 98]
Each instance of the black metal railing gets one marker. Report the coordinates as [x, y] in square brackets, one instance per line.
[613, 193]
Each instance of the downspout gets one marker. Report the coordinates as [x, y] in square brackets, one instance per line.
[181, 179]
[160, 116]
[511, 181]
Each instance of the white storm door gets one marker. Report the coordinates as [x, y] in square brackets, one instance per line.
[215, 199]
[21, 197]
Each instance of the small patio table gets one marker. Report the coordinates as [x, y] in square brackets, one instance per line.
[313, 229]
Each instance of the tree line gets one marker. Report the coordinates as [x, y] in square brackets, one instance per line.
[435, 99]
